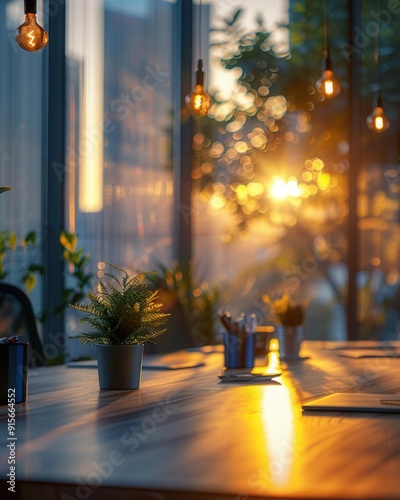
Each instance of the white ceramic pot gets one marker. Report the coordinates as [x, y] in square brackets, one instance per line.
[119, 366]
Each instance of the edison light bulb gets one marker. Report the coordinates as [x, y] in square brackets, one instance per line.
[198, 101]
[377, 120]
[30, 35]
[328, 85]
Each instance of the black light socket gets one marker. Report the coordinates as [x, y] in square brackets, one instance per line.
[378, 100]
[199, 74]
[326, 62]
[30, 6]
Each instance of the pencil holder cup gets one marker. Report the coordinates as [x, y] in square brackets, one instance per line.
[239, 350]
[13, 373]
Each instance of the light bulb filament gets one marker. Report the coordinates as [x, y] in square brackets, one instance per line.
[328, 87]
[379, 123]
[31, 38]
[197, 101]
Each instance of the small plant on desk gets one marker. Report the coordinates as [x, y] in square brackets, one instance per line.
[123, 314]
[288, 316]
[284, 310]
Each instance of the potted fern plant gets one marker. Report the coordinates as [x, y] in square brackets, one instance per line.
[123, 314]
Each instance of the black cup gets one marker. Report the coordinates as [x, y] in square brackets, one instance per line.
[13, 372]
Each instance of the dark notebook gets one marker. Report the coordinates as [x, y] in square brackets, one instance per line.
[346, 401]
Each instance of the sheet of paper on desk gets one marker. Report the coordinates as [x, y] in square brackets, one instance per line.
[356, 345]
[369, 353]
[248, 377]
[178, 360]
[347, 401]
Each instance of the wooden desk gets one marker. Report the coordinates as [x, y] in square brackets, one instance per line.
[185, 435]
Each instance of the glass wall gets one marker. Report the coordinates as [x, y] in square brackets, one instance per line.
[119, 200]
[273, 162]
[120, 85]
[22, 100]
[379, 180]
[272, 169]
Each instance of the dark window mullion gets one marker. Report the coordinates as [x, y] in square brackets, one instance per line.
[182, 151]
[53, 181]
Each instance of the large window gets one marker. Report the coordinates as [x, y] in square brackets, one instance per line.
[120, 108]
[289, 191]
[22, 142]
[120, 85]
[276, 165]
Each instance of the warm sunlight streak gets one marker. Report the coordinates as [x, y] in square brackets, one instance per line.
[281, 189]
[273, 359]
[279, 432]
[278, 189]
[274, 345]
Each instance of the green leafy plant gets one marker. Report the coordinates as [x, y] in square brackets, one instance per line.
[124, 311]
[77, 259]
[9, 242]
[4, 237]
[197, 300]
[4, 240]
[29, 277]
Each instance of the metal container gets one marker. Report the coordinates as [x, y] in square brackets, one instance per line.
[290, 339]
[119, 366]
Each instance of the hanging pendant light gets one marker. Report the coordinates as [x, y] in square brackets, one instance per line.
[377, 120]
[328, 85]
[30, 35]
[198, 101]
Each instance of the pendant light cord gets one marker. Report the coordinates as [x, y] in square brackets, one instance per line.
[377, 48]
[200, 10]
[326, 36]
